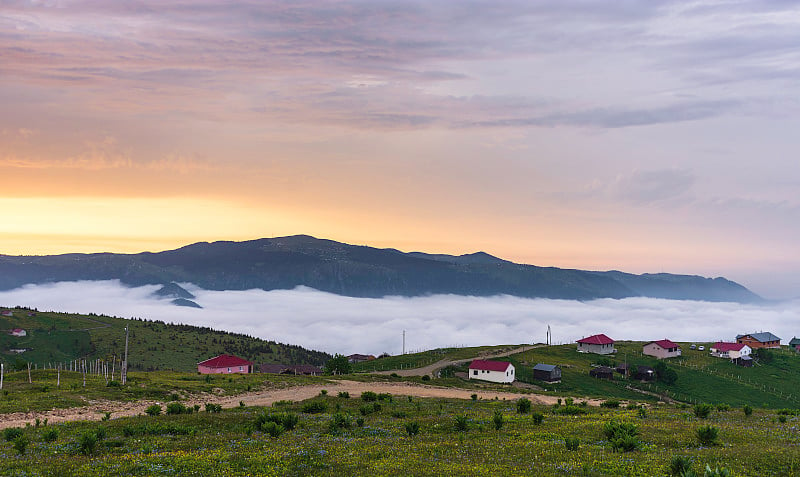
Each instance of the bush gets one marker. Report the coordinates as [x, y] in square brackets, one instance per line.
[100, 432]
[323, 392]
[399, 414]
[523, 405]
[716, 472]
[426, 377]
[570, 410]
[412, 428]
[113, 384]
[50, 435]
[314, 407]
[20, 444]
[680, 466]
[153, 410]
[338, 421]
[538, 418]
[707, 435]
[571, 443]
[747, 410]
[177, 408]
[631, 406]
[211, 407]
[622, 436]
[498, 420]
[106, 416]
[611, 403]
[461, 423]
[286, 421]
[88, 443]
[344, 394]
[702, 410]
[273, 429]
[369, 396]
[642, 412]
[12, 433]
[781, 418]
[385, 397]
[360, 422]
[722, 407]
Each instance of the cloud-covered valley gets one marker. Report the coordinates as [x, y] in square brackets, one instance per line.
[339, 324]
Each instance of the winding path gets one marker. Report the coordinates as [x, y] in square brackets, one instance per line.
[431, 369]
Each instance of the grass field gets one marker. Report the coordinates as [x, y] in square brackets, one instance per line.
[332, 441]
[424, 358]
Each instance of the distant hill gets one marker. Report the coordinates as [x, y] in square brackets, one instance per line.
[153, 345]
[354, 270]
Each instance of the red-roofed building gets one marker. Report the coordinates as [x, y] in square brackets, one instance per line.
[662, 349]
[721, 349]
[18, 332]
[225, 364]
[493, 371]
[598, 344]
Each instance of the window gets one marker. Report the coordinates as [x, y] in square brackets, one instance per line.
[229, 370]
[475, 372]
[240, 368]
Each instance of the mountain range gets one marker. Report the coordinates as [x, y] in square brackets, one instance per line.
[355, 270]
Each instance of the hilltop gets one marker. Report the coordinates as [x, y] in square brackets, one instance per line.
[153, 345]
[355, 270]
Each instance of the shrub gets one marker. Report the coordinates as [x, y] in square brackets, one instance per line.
[385, 397]
[632, 405]
[394, 375]
[474, 397]
[241, 404]
[461, 423]
[314, 407]
[177, 408]
[571, 443]
[680, 466]
[523, 405]
[100, 432]
[782, 418]
[106, 416]
[787, 412]
[88, 443]
[399, 414]
[338, 421]
[360, 422]
[611, 403]
[707, 435]
[323, 392]
[538, 418]
[50, 435]
[747, 410]
[570, 410]
[153, 410]
[568, 401]
[702, 410]
[20, 444]
[282, 402]
[196, 408]
[174, 397]
[622, 436]
[344, 394]
[722, 407]
[412, 428]
[426, 377]
[643, 412]
[12, 433]
[113, 384]
[376, 407]
[211, 407]
[365, 410]
[369, 396]
[716, 472]
[286, 421]
[498, 420]
[273, 429]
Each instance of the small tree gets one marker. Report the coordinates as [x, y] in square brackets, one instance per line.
[153, 410]
[747, 410]
[498, 420]
[707, 435]
[523, 405]
[680, 466]
[339, 364]
[412, 428]
[702, 410]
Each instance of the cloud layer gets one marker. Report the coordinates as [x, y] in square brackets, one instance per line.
[347, 325]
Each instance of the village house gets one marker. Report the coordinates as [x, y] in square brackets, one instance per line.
[493, 371]
[598, 344]
[794, 344]
[549, 373]
[225, 364]
[662, 349]
[6, 313]
[644, 373]
[19, 332]
[359, 358]
[721, 349]
[602, 372]
[294, 369]
[759, 340]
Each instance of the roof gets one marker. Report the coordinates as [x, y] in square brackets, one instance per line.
[762, 337]
[273, 368]
[545, 367]
[601, 370]
[794, 341]
[600, 339]
[225, 361]
[489, 365]
[665, 343]
[17, 330]
[723, 346]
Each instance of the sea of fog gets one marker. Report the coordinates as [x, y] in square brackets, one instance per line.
[339, 324]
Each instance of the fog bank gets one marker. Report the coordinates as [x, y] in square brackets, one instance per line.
[339, 324]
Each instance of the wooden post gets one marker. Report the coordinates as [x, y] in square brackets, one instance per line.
[124, 369]
[83, 369]
[58, 379]
[2, 369]
[30, 381]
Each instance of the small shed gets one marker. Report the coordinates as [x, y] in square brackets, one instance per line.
[549, 373]
[602, 372]
[794, 344]
[623, 369]
[645, 373]
[225, 364]
[744, 361]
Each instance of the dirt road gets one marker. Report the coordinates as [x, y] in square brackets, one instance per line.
[431, 369]
[94, 412]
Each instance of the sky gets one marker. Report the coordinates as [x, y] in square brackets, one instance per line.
[639, 136]
[339, 324]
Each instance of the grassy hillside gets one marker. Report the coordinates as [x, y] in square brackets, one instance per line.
[153, 345]
[701, 377]
[336, 436]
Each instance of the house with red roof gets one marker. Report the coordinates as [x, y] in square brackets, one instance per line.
[492, 371]
[6, 313]
[662, 349]
[19, 332]
[598, 344]
[225, 364]
[721, 349]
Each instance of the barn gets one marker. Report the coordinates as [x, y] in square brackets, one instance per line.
[225, 364]
[602, 372]
[549, 373]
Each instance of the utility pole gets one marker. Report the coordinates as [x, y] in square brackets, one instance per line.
[404, 341]
[549, 336]
[124, 370]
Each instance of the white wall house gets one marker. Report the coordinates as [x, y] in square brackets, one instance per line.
[598, 344]
[721, 349]
[662, 349]
[492, 371]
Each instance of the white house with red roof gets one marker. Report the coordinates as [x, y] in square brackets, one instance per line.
[19, 332]
[721, 349]
[598, 344]
[225, 364]
[493, 371]
[662, 349]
